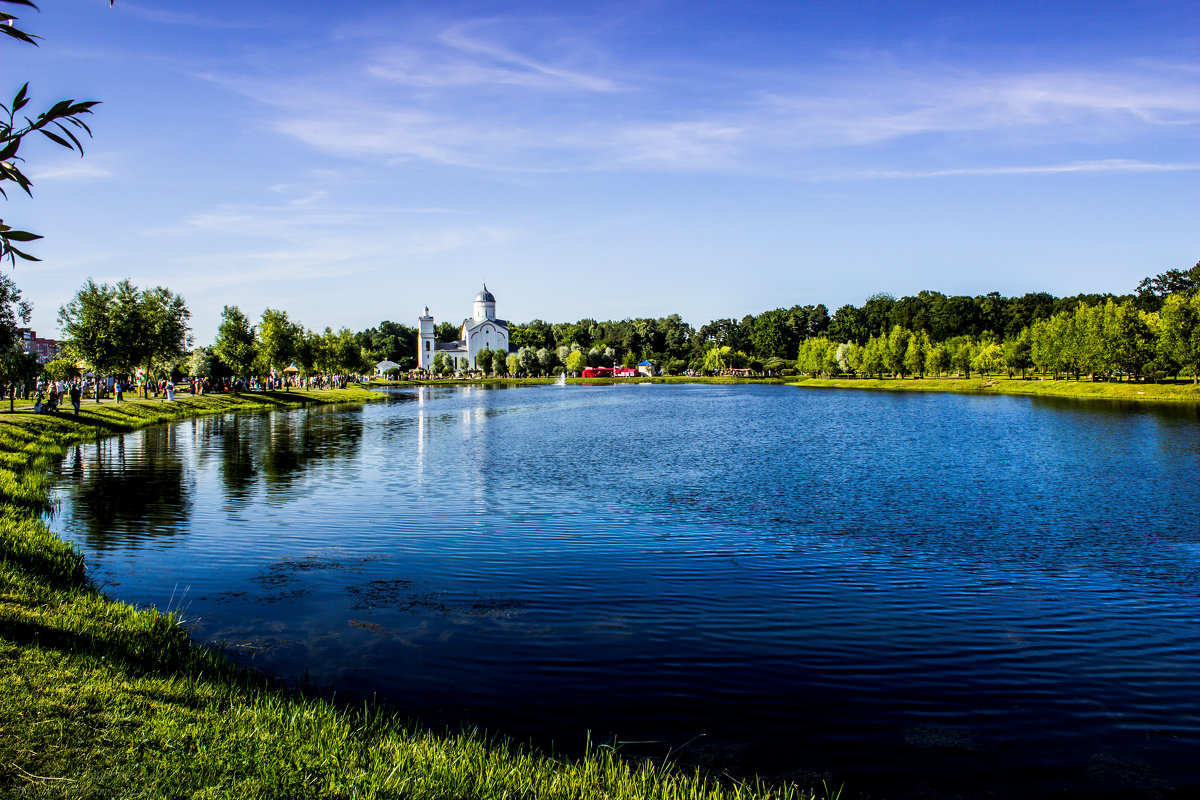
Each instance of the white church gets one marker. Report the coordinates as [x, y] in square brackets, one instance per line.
[481, 332]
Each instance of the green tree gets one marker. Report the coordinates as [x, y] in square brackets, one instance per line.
[164, 320]
[1180, 331]
[202, 363]
[1129, 337]
[483, 360]
[988, 358]
[60, 369]
[873, 355]
[512, 364]
[938, 360]
[1018, 352]
[90, 323]
[278, 338]
[897, 346]
[309, 346]
[962, 354]
[849, 324]
[546, 360]
[717, 357]
[235, 344]
[527, 357]
[62, 124]
[575, 362]
[13, 310]
[439, 363]
[916, 353]
[499, 361]
[346, 354]
[17, 368]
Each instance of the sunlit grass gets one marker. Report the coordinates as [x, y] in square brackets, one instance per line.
[99, 699]
[1099, 390]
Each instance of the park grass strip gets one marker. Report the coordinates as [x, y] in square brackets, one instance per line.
[99, 699]
[1123, 391]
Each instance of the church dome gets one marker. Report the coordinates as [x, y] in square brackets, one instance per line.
[485, 296]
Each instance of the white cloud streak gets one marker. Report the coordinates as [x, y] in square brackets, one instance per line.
[467, 98]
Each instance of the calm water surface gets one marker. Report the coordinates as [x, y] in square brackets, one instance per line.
[921, 595]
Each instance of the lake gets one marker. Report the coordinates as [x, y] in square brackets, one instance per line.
[920, 595]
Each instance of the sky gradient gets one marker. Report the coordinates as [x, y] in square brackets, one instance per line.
[351, 163]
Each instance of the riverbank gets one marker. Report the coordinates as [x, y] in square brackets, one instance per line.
[100, 699]
[1185, 393]
[716, 380]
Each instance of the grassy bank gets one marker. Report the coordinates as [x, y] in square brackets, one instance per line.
[1085, 389]
[101, 700]
[719, 380]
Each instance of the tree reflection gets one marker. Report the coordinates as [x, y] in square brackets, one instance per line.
[273, 451]
[131, 489]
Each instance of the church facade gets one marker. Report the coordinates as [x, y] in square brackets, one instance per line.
[481, 331]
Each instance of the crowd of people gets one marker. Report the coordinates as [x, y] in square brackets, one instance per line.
[49, 395]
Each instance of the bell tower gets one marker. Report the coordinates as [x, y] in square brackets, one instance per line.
[425, 345]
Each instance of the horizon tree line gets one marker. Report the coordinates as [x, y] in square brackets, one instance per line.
[1153, 331]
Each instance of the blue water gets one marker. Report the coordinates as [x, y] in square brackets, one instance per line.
[917, 595]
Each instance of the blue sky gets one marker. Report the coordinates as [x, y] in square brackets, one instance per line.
[354, 162]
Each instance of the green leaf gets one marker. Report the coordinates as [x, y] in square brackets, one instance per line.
[16, 33]
[56, 138]
[9, 251]
[20, 236]
[21, 99]
[70, 136]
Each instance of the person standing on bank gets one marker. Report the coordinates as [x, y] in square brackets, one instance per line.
[76, 393]
[117, 389]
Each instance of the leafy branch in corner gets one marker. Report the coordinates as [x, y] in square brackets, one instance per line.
[62, 124]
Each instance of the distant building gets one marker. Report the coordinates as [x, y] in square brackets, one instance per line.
[482, 331]
[45, 349]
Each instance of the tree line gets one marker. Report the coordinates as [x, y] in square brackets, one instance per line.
[1151, 332]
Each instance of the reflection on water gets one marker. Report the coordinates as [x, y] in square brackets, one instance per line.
[137, 484]
[925, 595]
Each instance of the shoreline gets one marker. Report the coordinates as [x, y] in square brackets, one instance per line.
[1127, 392]
[1175, 393]
[104, 699]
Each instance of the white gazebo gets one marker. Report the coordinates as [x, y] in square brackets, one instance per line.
[384, 366]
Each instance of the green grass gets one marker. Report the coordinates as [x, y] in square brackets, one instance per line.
[719, 380]
[1085, 389]
[101, 700]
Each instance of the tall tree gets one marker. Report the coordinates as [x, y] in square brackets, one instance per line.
[87, 322]
[1180, 331]
[278, 338]
[1152, 292]
[13, 310]
[235, 341]
[164, 320]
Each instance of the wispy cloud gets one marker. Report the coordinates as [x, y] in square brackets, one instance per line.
[182, 18]
[1115, 165]
[468, 59]
[469, 97]
[76, 170]
[307, 242]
